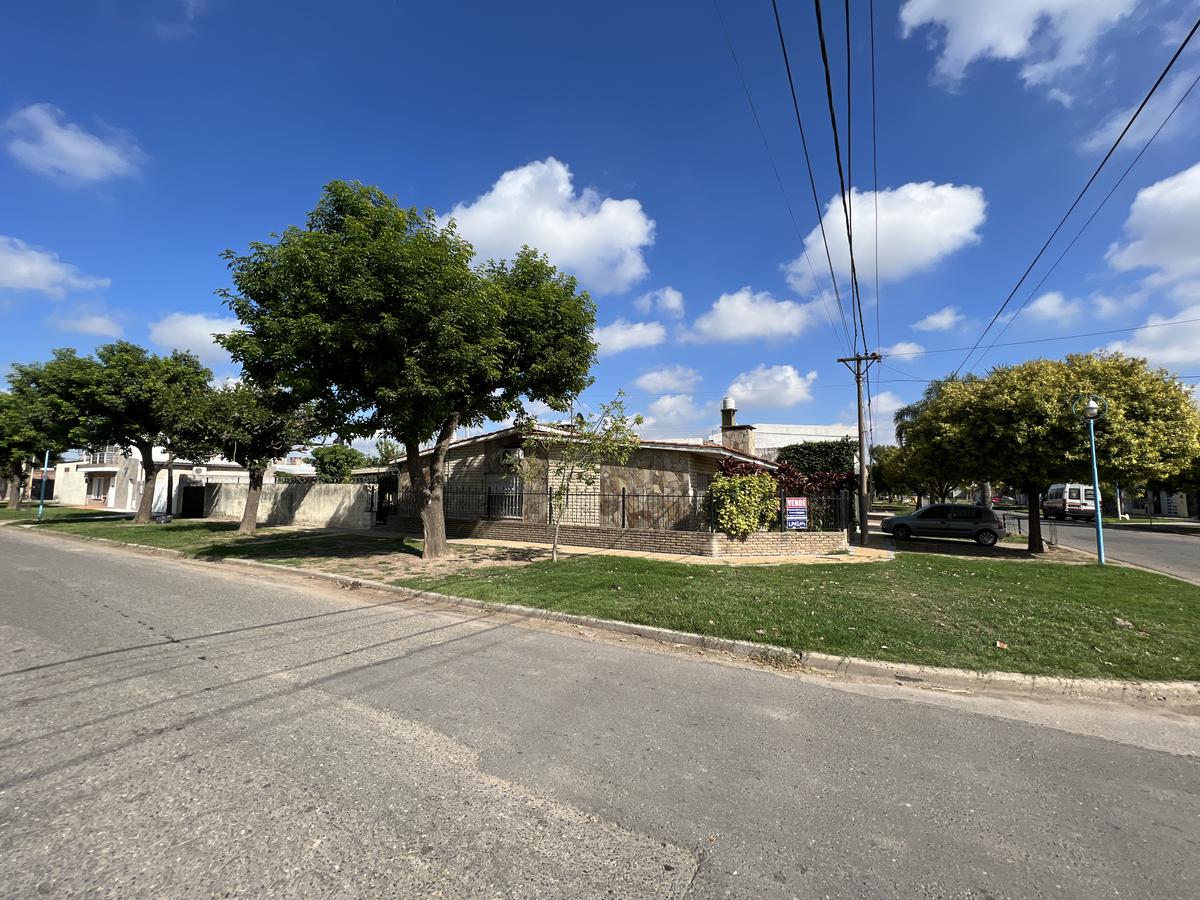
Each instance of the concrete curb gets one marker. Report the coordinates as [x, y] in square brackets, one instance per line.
[963, 681]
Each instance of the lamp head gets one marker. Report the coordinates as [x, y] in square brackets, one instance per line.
[1092, 409]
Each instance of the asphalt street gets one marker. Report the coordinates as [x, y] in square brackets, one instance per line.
[173, 730]
[1173, 554]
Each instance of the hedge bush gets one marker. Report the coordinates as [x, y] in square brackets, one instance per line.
[742, 504]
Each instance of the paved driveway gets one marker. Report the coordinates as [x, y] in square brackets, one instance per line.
[169, 730]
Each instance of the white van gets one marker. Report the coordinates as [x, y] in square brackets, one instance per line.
[1070, 501]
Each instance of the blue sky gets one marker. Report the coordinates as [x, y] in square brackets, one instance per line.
[140, 138]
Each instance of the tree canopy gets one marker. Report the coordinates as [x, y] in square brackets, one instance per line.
[1018, 425]
[123, 396]
[376, 314]
[335, 462]
[255, 426]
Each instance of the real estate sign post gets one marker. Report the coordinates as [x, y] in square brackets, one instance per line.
[796, 512]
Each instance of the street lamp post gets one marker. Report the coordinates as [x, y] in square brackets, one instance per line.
[1092, 410]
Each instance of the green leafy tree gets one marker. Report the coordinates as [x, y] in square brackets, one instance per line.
[1017, 425]
[256, 426]
[335, 462]
[924, 462]
[387, 451]
[821, 457]
[573, 454]
[25, 435]
[375, 313]
[742, 504]
[888, 474]
[123, 396]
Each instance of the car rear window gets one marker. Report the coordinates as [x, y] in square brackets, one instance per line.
[1074, 494]
[1089, 494]
[964, 514]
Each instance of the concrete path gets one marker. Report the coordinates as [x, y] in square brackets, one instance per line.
[172, 730]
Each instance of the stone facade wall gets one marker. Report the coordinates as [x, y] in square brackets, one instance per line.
[683, 543]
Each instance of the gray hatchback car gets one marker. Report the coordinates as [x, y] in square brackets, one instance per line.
[947, 520]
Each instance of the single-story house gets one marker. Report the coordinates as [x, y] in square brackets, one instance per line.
[499, 476]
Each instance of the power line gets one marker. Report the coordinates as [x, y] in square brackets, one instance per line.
[812, 181]
[779, 180]
[856, 308]
[1083, 228]
[1079, 197]
[1061, 337]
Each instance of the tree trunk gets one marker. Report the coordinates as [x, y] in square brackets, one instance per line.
[987, 494]
[171, 485]
[430, 487]
[1033, 492]
[149, 474]
[554, 546]
[15, 492]
[253, 494]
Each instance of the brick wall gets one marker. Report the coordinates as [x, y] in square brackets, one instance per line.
[684, 543]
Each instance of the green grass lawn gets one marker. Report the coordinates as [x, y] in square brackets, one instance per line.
[1056, 619]
[920, 608]
[283, 546]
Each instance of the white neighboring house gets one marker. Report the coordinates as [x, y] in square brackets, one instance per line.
[112, 479]
[766, 439]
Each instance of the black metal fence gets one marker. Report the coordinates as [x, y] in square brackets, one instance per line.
[624, 509]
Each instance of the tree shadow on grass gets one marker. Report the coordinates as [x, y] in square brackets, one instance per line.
[91, 515]
[307, 544]
[962, 548]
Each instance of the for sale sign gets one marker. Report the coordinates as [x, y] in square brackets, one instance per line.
[796, 513]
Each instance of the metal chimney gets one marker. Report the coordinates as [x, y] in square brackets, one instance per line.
[728, 413]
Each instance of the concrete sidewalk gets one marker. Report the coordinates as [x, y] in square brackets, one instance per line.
[855, 555]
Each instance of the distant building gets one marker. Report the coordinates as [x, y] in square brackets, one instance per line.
[764, 440]
[113, 479]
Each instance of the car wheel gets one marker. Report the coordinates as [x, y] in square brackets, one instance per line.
[986, 538]
[902, 532]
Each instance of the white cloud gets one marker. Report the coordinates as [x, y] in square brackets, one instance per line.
[96, 324]
[665, 300]
[42, 140]
[1061, 97]
[748, 314]
[194, 331]
[920, 223]
[1048, 36]
[1150, 118]
[673, 411]
[886, 403]
[772, 386]
[1052, 306]
[673, 379]
[1161, 232]
[184, 24]
[1107, 307]
[908, 349]
[26, 268]
[1173, 346]
[945, 319]
[623, 335]
[598, 240]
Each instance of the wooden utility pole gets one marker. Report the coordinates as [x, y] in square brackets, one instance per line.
[860, 370]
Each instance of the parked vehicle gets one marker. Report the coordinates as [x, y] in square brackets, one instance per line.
[948, 520]
[1070, 501]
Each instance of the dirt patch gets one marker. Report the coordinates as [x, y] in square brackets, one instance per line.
[391, 565]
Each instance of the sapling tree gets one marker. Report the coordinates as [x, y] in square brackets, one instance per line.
[574, 452]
